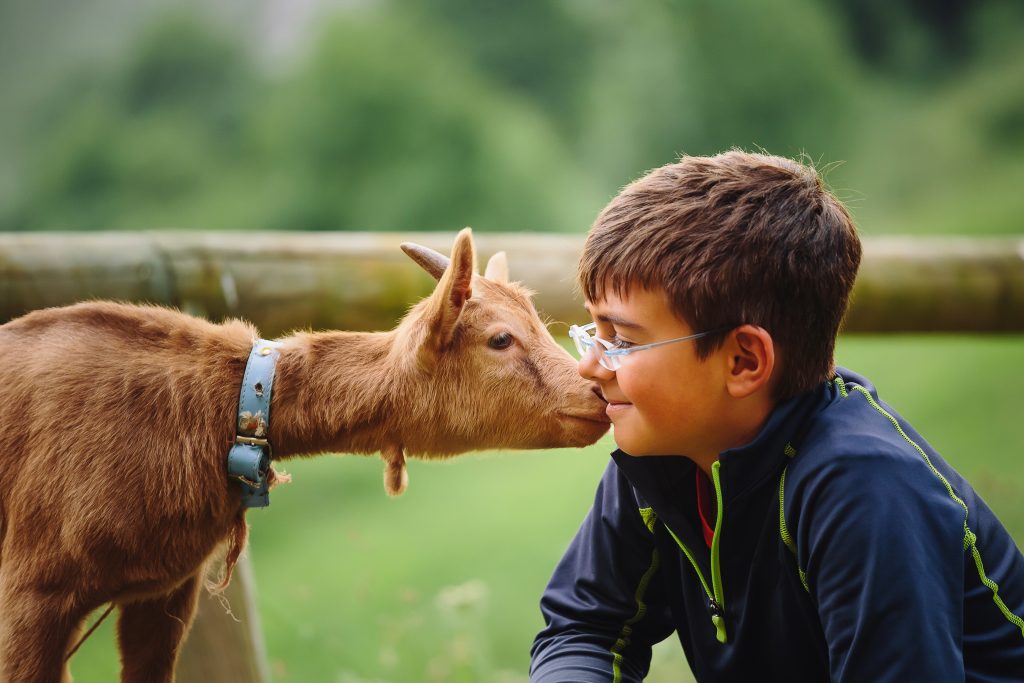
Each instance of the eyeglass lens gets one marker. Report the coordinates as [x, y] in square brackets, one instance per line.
[587, 343]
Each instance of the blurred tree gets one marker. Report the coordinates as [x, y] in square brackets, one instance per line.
[385, 126]
[706, 76]
[140, 145]
[524, 116]
[923, 39]
[388, 125]
[540, 49]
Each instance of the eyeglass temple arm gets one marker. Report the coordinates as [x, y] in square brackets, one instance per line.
[626, 352]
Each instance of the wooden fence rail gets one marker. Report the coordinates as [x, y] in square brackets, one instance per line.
[284, 281]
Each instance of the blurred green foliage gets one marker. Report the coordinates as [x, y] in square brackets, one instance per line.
[514, 116]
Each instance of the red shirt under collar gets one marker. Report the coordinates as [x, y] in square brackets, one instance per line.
[705, 499]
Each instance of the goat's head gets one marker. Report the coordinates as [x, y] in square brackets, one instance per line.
[487, 372]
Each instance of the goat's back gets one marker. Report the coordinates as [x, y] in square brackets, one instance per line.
[112, 417]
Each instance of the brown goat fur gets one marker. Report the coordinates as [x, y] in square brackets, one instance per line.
[115, 422]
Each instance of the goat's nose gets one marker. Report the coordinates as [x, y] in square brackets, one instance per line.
[597, 390]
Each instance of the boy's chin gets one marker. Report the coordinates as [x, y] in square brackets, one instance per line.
[637, 448]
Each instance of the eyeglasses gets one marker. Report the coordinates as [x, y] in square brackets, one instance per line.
[610, 354]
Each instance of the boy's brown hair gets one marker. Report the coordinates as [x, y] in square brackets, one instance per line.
[734, 239]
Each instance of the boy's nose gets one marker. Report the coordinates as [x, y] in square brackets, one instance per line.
[590, 368]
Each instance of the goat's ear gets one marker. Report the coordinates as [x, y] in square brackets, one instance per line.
[497, 268]
[450, 295]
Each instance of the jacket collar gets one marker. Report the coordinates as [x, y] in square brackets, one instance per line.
[666, 479]
[747, 467]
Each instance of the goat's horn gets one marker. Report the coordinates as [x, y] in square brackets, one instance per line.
[430, 260]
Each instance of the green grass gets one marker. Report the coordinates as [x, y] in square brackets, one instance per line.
[354, 587]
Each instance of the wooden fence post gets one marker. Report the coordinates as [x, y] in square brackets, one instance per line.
[226, 646]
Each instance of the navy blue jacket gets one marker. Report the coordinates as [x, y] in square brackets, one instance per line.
[846, 549]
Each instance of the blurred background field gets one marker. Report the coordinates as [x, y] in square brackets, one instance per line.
[442, 584]
[374, 115]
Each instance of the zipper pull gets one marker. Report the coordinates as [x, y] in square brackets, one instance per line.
[718, 620]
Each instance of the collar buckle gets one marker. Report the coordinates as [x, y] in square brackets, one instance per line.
[254, 441]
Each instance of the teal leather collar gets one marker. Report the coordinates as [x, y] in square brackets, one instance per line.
[250, 455]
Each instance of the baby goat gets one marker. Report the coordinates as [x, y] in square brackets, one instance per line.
[116, 421]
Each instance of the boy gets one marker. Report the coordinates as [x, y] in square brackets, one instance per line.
[788, 524]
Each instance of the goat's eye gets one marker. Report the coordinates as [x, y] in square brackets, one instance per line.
[502, 340]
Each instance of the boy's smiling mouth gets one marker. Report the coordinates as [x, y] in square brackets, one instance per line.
[614, 407]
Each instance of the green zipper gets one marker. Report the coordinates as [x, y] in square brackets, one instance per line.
[714, 592]
[716, 569]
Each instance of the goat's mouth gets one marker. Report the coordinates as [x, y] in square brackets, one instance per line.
[581, 429]
[600, 418]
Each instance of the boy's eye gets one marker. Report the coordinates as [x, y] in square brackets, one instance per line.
[621, 343]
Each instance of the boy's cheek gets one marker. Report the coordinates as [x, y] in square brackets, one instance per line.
[632, 433]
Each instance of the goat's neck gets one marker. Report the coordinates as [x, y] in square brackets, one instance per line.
[331, 393]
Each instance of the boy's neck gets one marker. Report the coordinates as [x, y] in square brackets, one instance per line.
[744, 423]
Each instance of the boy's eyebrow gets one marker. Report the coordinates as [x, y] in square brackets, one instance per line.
[615, 320]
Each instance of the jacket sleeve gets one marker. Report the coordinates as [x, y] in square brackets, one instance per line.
[882, 541]
[604, 606]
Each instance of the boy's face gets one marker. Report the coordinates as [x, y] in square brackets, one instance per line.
[664, 400]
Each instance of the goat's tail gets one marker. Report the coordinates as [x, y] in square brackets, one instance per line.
[239, 535]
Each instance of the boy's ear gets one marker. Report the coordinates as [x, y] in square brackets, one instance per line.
[751, 358]
[445, 304]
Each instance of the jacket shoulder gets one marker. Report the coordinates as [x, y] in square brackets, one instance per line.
[860, 455]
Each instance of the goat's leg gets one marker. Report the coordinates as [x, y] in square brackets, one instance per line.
[36, 628]
[150, 633]
[76, 634]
